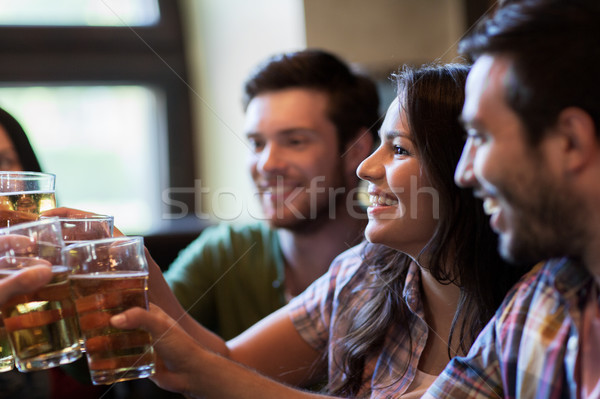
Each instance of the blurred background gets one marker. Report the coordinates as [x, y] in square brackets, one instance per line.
[135, 105]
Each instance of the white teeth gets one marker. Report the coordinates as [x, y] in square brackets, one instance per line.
[381, 200]
[277, 190]
[490, 206]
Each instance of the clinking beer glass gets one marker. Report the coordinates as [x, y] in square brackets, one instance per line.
[108, 277]
[42, 326]
[24, 195]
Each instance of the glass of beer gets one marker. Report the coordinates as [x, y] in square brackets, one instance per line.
[24, 195]
[108, 277]
[42, 326]
[85, 227]
[6, 357]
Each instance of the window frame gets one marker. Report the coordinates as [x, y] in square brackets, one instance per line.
[90, 55]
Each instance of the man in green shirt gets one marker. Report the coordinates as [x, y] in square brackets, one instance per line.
[310, 121]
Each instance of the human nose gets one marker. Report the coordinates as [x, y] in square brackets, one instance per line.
[464, 175]
[371, 168]
[270, 159]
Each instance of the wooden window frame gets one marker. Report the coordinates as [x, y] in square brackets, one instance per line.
[152, 56]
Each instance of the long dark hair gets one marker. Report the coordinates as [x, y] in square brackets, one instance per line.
[27, 158]
[463, 248]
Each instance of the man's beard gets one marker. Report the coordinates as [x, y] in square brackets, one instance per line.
[548, 222]
[317, 214]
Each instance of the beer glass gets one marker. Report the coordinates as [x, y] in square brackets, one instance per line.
[24, 195]
[42, 326]
[85, 227]
[6, 356]
[108, 277]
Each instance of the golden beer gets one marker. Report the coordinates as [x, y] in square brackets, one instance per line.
[42, 327]
[6, 356]
[113, 354]
[24, 207]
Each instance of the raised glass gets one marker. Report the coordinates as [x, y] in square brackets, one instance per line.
[108, 277]
[24, 195]
[6, 356]
[42, 326]
[85, 227]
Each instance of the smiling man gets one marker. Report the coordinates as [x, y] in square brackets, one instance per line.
[310, 121]
[532, 112]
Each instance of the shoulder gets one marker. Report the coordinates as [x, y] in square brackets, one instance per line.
[348, 263]
[243, 245]
[535, 287]
[342, 270]
[235, 235]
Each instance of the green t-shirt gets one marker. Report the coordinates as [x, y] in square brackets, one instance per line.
[230, 277]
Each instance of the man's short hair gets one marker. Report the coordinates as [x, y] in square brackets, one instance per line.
[353, 98]
[554, 48]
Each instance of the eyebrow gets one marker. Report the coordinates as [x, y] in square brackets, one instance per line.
[470, 124]
[392, 134]
[284, 132]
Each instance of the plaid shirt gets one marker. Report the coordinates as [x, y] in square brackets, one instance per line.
[320, 316]
[529, 349]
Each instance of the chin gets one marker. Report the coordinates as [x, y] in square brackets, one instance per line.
[373, 235]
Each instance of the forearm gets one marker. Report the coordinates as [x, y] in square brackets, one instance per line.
[160, 294]
[221, 378]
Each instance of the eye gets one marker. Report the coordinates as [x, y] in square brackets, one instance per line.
[256, 144]
[400, 151]
[477, 137]
[296, 141]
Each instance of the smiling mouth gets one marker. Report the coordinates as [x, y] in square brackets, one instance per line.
[379, 200]
[276, 190]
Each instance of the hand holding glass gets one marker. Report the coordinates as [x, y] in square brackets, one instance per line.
[42, 326]
[110, 276]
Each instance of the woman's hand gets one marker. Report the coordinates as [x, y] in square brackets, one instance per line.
[177, 352]
[184, 366]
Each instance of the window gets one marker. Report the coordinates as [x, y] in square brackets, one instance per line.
[79, 12]
[101, 93]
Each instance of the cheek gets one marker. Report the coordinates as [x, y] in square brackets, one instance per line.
[485, 163]
[426, 199]
[251, 167]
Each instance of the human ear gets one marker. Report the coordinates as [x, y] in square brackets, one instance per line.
[356, 151]
[580, 144]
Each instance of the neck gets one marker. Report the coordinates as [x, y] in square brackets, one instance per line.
[308, 254]
[589, 253]
[591, 260]
[440, 302]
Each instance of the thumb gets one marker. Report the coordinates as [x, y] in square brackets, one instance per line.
[155, 321]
